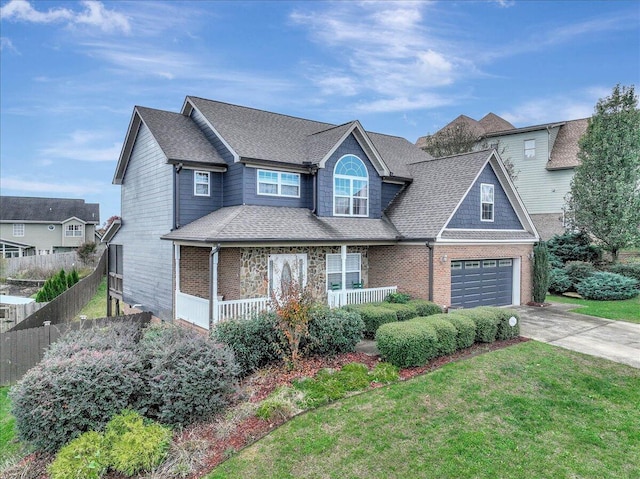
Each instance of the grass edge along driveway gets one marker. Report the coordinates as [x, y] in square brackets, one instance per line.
[623, 310]
[530, 410]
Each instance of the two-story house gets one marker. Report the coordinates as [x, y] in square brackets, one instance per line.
[30, 226]
[543, 157]
[222, 204]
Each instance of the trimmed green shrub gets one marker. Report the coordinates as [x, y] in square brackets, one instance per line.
[373, 316]
[385, 373]
[61, 398]
[502, 317]
[135, 445]
[424, 307]
[404, 312]
[574, 247]
[466, 329]
[608, 286]
[540, 275]
[84, 457]
[255, 342]
[406, 344]
[559, 281]
[401, 298]
[445, 330]
[189, 378]
[485, 321]
[333, 331]
[577, 271]
[630, 270]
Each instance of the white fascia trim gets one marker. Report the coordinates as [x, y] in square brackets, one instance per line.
[482, 242]
[286, 169]
[127, 147]
[276, 244]
[484, 230]
[72, 219]
[188, 106]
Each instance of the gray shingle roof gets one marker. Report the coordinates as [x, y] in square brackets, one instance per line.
[423, 209]
[268, 223]
[564, 153]
[320, 143]
[55, 210]
[179, 137]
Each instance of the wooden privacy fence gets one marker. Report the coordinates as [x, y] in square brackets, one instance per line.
[44, 262]
[64, 307]
[22, 350]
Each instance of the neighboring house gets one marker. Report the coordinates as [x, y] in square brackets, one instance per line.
[34, 226]
[222, 204]
[544, 158]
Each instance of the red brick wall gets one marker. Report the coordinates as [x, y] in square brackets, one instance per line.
[194, 271]
[229, 273]
[404, 266]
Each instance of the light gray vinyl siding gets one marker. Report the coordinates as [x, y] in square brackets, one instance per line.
[147, 214]
[541, 190]
[251, 196]
[193, 207]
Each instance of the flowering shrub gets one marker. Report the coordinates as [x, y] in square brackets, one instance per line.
[292, 306]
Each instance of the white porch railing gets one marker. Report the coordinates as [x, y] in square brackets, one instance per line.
[241, 308]
[336, 299]
[192, 309]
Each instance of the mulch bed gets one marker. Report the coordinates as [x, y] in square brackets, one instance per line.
[258, 386]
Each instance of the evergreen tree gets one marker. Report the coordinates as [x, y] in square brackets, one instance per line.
[605, 192]
[540, 272]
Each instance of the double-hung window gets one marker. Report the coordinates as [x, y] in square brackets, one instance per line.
[201, 183]
[350, 187]
[73, 231]
[529, 149]
[486, 201]
[18, 229]
[278, 183]
[353, 274]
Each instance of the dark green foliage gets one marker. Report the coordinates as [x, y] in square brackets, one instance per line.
[72, 278]
[255, 342]
[134, 445]
[56, 285]
[502, 316]
[406, 344]
[540, 275]
[189, 378]
[559, 281]
[577, 271]
[385, 373]
[466, 329]
[608, 286]
[84, 457]
[404, 312]
[373, 316]
[424, 307]
[630, 270]
[401, 298]
[63, 397]
[85, 251]
[333, 331]
[445, 331]
[485, 321]
[554, 261]
[573, 246]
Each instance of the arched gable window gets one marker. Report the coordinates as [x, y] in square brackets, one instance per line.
[350, 187]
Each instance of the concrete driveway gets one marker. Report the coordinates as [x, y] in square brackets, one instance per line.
[615, 340]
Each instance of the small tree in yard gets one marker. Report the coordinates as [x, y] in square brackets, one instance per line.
[605, 192]
[293, 305]
[540, 272]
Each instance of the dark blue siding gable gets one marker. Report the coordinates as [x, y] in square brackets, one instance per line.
[193, 207]
[468, 214]
[251, 196]
[325, 179]
[389, 192]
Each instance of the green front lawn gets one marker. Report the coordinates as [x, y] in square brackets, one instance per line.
[8, 447]
[626, 310]
[97, 307]
[527, 411]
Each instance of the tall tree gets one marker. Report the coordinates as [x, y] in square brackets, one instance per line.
[605, 191]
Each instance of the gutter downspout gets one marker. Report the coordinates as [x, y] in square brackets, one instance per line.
[176, 196]
[429, 245]
[213, 284]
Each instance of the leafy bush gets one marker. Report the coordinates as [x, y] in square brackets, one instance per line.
[445, 331]
[401, 298]
[61, 398]
[134, 446]
[333, 331]
[574, 247]
[406, 344]
[189, 377]
[84, 457]
[608, 286]
[404, 312]
[85, 251]
[559, 281]
[502, 317]
[577, 271]
[255, 342]
[540, 275]
[424, 307]
[373, 316]
[385, 373]
[630, 270]
[466, 329]
[485, 321]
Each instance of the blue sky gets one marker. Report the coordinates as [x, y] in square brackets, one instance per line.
[71, 72]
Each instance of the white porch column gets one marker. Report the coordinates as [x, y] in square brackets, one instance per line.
[176, 256]
[343, 257]
[214, 283]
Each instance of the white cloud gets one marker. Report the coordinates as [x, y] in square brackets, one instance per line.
[83, 145]
[94, 15]
[7, 45]
[77, 188]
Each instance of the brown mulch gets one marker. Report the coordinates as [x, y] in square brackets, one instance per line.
[258, 386]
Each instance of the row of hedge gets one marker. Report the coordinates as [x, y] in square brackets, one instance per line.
[420, 339]
[619, 281]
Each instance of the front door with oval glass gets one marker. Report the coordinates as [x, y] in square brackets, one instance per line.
[286, 270]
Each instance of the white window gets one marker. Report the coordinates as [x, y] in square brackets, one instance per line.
[73, 231]
[18, 229]
[505, 262]
[456, 265]
[201, 183]
[489, 263]
[529, 149]
[486, 202]
[350, 187]
[334, 271]
[278, 183]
